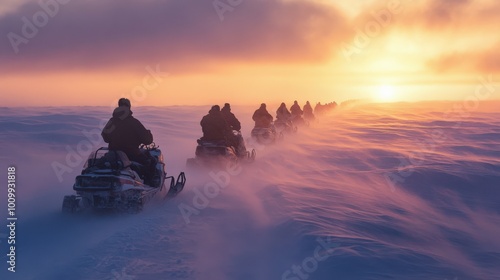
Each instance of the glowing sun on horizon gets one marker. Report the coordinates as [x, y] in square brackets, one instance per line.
[385, 94]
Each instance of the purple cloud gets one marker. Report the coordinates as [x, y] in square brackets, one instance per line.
[183, 34]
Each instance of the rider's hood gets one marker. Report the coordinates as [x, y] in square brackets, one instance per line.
[122, 112]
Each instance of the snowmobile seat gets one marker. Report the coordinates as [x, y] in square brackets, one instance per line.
[115, 160]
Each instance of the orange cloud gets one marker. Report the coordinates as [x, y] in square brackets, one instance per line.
[487, 61]
[437, 35]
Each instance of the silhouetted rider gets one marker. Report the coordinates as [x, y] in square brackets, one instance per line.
[214, 126]
[230, 118]
[262, 117]
[235, 140]
[296, 113]
[295, 110]
[308, 111]
[125, 133]
[282, 114]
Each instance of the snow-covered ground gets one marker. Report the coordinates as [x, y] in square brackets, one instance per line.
[401, 191]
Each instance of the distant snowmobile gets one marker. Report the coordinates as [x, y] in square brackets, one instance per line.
[297, 120]
[266, 135]
[214, 153]
[283, 126]
[109, 180]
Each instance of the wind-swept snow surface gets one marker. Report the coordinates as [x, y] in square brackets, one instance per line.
[400, 191]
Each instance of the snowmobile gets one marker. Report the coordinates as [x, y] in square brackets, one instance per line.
[266, 135]
[214, 153]
[298, 120]
[285, 126]
[309, 118]
[109, 180]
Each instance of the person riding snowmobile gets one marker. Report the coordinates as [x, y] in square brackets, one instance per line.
[295, 109]
[262, 117]
[213, 125]
[282, 114]
[125, 133]
[230, 118]
[308, 112]
[296, 113]
[236, 140]
[284, 118]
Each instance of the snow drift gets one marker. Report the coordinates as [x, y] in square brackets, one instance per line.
[399, 191]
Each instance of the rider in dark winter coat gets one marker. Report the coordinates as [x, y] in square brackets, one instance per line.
[295, 109]
[282, 114]
[230, 118]
[308, 112]
[296, 114]
[262, 117]
[235, 140]
[214, 126]
[125, 133]
[284, 118]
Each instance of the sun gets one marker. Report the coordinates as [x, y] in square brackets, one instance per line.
[385, 93]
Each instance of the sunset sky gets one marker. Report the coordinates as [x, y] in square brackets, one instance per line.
[75, 52]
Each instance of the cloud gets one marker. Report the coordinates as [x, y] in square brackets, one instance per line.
[485, 61]
[184, 34]
[188, 36]
[459, 15]
[434, 13]
[471, 30]
[445, 35]
[438, 12]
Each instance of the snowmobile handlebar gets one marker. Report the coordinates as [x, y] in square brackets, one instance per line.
[149, 147]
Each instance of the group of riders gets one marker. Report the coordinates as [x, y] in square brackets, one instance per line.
[125, 133]
[295, 116]
[222, 125]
